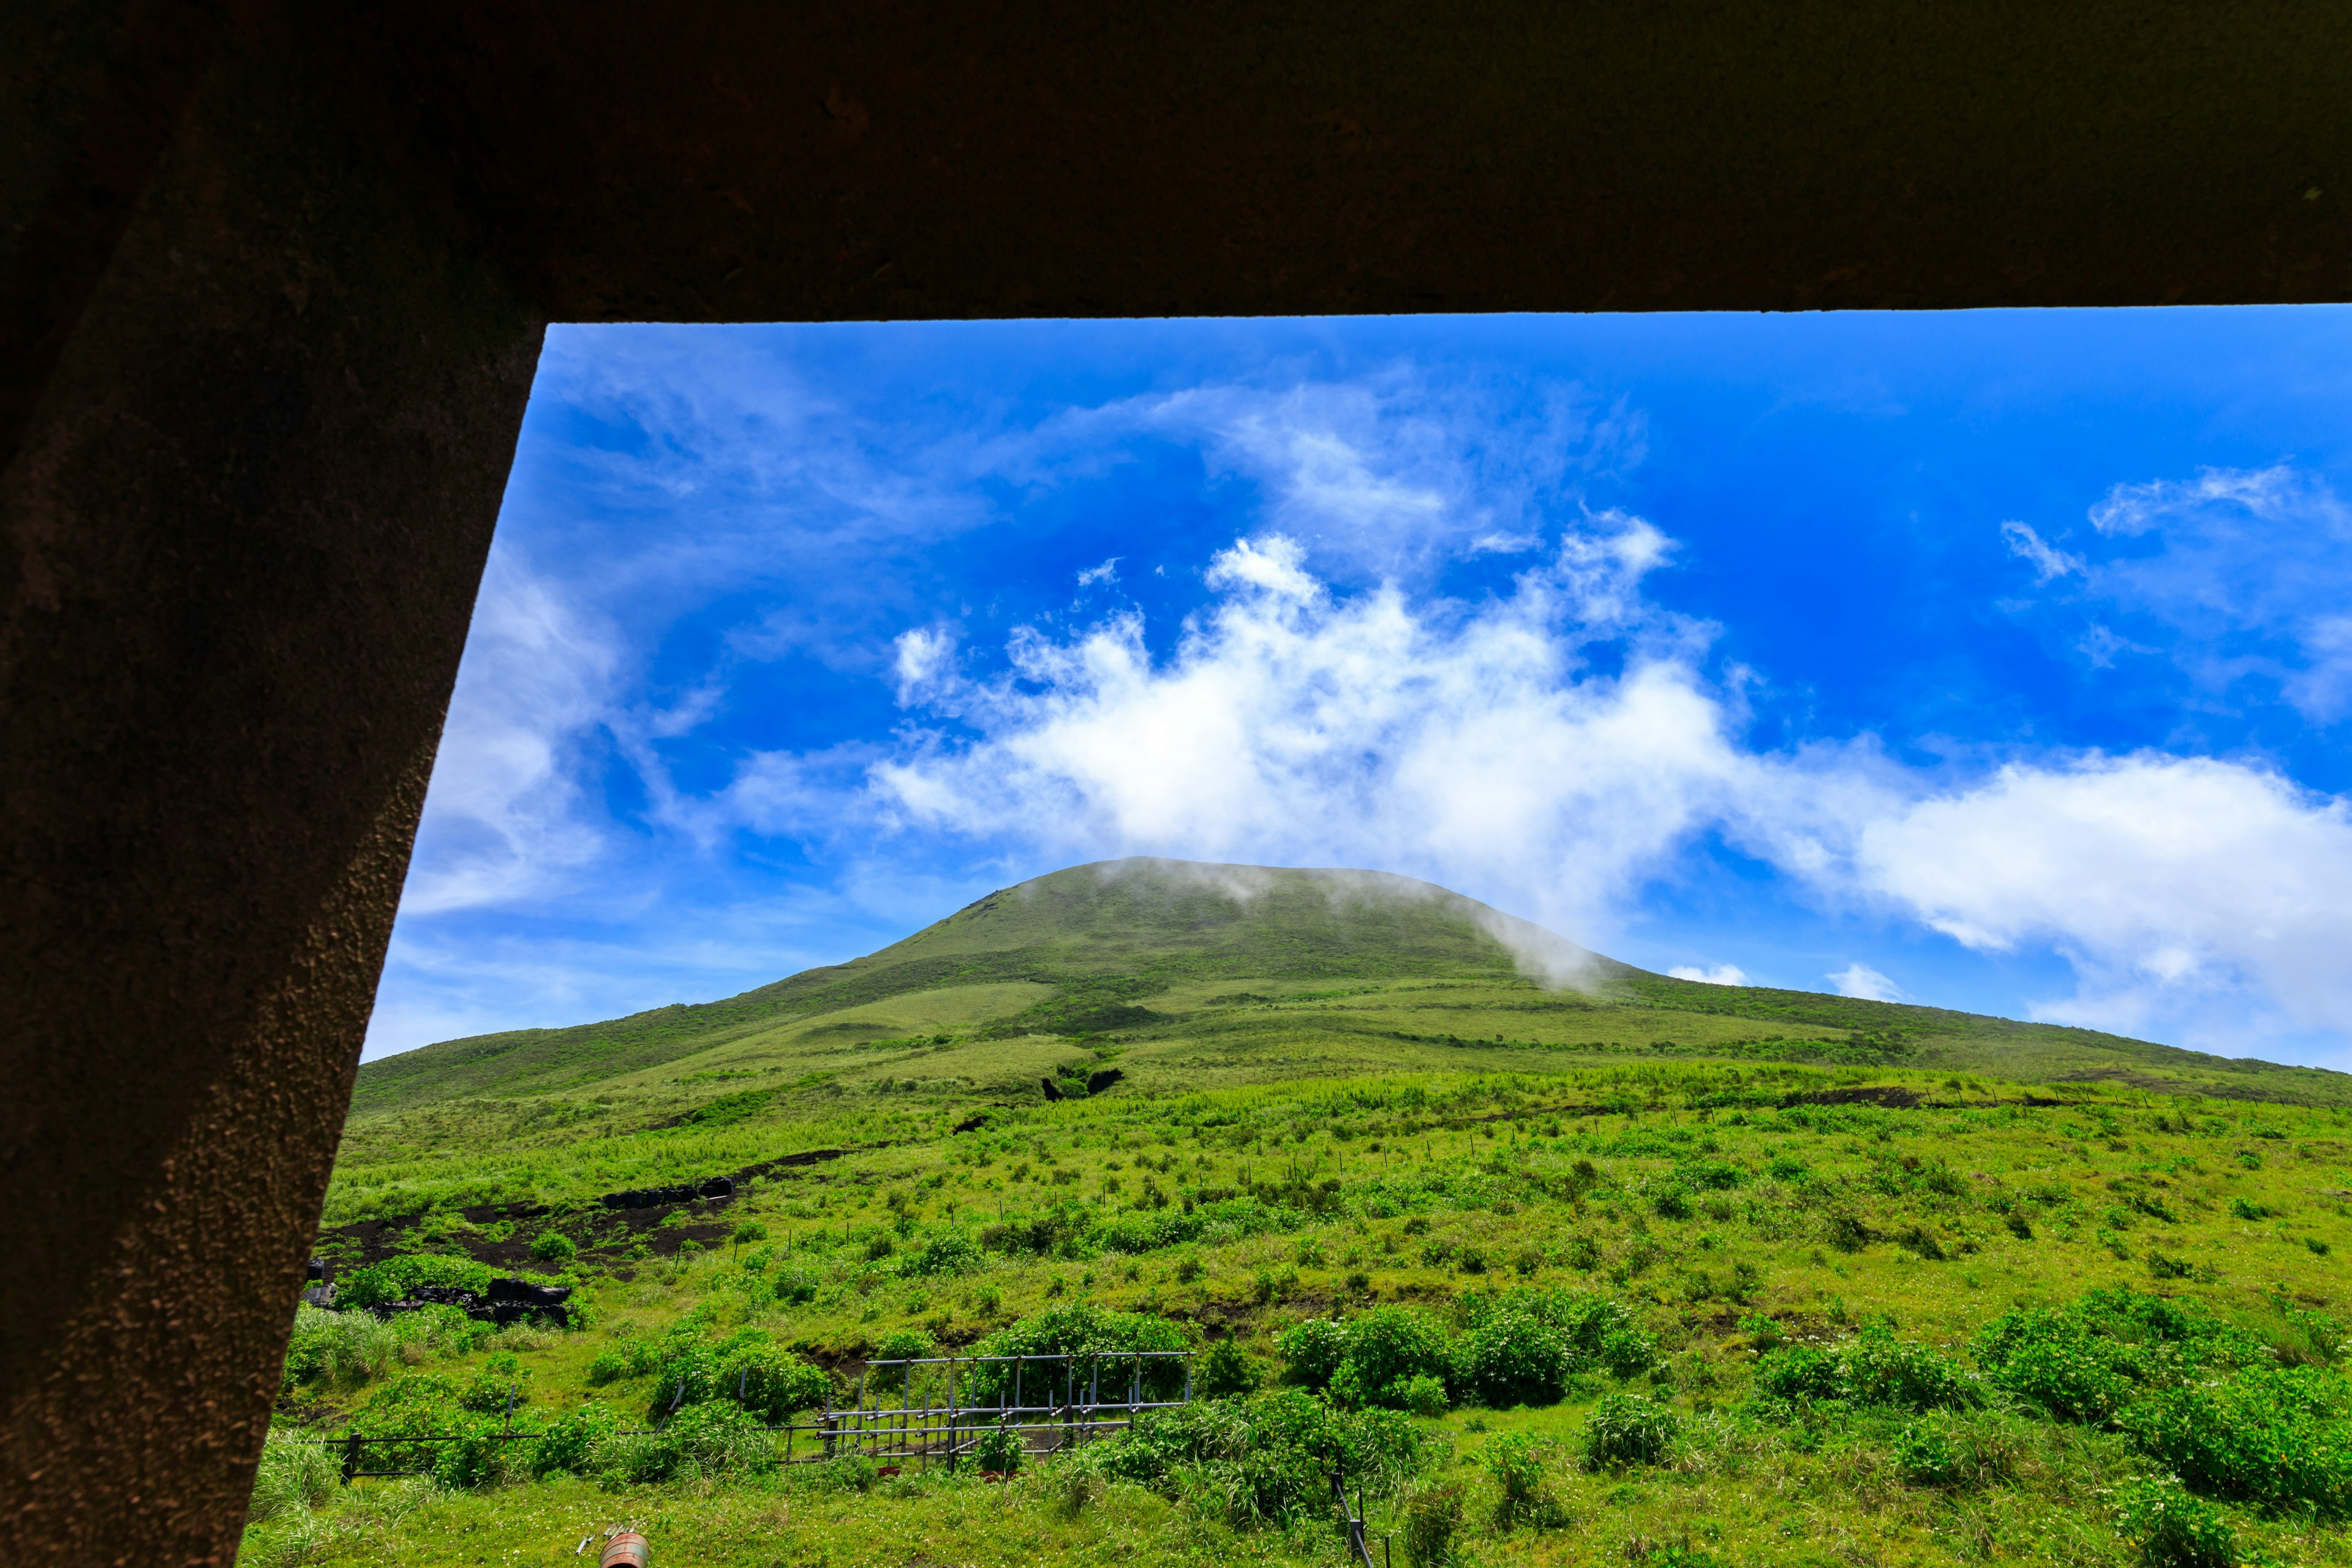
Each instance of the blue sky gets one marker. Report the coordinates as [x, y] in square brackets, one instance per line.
[1996, 660]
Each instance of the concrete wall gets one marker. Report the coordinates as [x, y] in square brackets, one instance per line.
[271, 286]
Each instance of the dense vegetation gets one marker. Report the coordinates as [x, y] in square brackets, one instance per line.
[1563, 1294]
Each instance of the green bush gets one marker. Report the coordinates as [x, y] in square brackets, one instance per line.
[398, 1279]
[1432, 1518]
[1000, 1448]
[949, 1252]
[635, 1459]
[2087, 1361]
[1224, 1369]
[1313, 1351]
[1935, 1451]
[1266, 1459]
[501, 1375]
[1511, 1357]
[1877, 1368]
[2275, 1436]
[750, 1233]
[343, 1350]
[1093, 1334]
[1871, 1367]
[898, 1344]
[771, 1382]
[409, 1406]
[1423, 1395]
[477, 1459]
[553, 1246]
[793, 1285]
[1523, 1488]
[1369, 1358]
[1625, 1430]
[1800, 1373]
[720, 1438]
[2055, 1360]
[2169, 1528]
[567, 1445]
[296, 1473]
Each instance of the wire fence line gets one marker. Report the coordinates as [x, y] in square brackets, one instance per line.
[1052, 1402]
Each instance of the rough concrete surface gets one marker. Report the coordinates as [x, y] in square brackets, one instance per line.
[271, 285]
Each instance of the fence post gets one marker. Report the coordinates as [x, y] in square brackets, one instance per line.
[351, 1459]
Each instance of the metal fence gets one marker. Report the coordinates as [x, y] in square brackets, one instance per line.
[1054, 1403]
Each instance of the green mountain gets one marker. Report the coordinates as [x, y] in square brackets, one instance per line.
[1199, 974]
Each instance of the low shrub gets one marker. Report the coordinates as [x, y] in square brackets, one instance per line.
[1370, 1359]
[1511, 1357]
[1266, 1459]
[771, 1382]
[1432, 1519]
[1800, 1373]
[949, 1252]
[1421, 1395]
[1226, 1369]
[2169, 1528]
[294, 1473]
[720, 1438]
[1877, 1368]
[793, 1285]
[1000, 1448]
[898, 1344]
[2089, 1360]
[553, 1246]
[567, 1445]
[1626, 1430]
[1869, 1367]
[2054, 1359]
[1095, 1337]
[501, 1377]
[1523, 1486]
[2275, 1436]
[398, 1279]
[1935, 1451]
[747, 1368]
[477, 1459]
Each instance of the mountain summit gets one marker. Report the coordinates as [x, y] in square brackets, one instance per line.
[1187, 969]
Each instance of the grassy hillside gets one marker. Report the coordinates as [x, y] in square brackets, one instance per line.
[1137, 950]
[1339, 1100]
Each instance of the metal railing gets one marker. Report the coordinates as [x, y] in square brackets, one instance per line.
[1053, 1401]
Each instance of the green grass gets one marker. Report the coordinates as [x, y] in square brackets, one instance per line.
[1381, 1110]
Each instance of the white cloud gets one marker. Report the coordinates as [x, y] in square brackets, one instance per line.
[2238, 577]
[1299, 727]
[1482, 750]
[1721, 975]
[2184, 889]
[503, 818]
[1106, 572]
[1860, 980]
[2047, 562]
[925, 656]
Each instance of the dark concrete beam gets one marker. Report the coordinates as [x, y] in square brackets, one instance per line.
[255, 475]
[729, 162]
[271, 281]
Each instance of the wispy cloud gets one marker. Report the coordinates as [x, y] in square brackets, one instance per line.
[2027, 545]
[1721, 975]
[2238, 577]
[1300, 726]
[1491, 753]
[1860, 980]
